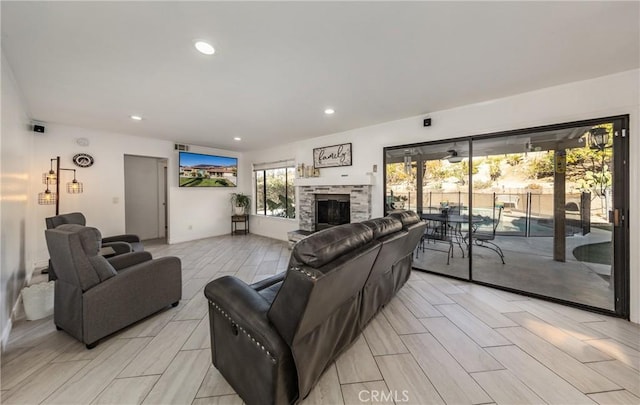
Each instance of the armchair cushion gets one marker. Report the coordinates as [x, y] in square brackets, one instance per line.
[119, 248]
[73, 249]
[71, 218]
[129, 238]
[102, 267]
[129, 259]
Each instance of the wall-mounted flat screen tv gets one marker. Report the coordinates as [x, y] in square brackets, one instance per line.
[198, 170]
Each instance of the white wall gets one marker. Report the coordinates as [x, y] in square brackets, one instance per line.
[601, 97]
[194, 213]
[16, 142]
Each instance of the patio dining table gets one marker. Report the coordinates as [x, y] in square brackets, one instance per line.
[452, 222]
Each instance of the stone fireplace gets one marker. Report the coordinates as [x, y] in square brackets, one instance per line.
[359, 198]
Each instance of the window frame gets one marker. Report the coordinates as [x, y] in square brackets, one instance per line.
[264, 171]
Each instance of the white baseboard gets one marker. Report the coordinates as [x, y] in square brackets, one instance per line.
[4, 339]
[6, 331]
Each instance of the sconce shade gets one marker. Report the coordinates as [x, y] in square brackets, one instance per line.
[74, 187]
[49, 178]
[47, 197]
[599, 138]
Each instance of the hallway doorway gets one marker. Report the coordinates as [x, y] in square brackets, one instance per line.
[146, 196]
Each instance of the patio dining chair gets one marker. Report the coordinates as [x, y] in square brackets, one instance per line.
[486, 240]
[436, 232]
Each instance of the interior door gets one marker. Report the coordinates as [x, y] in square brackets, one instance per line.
[142, 190]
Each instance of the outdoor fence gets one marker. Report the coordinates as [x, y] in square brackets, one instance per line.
[524, 213]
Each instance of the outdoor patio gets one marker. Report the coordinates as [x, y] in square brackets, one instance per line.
[529, 266]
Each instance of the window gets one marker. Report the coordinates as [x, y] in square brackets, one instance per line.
[275, 193]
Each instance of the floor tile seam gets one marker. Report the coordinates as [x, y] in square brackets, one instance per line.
[372, 355]
[466, 334]
[610, 338]
[612, 390]
[532, 356]
[204, 375]
[362, 382]
[432, 383]
[550, 370]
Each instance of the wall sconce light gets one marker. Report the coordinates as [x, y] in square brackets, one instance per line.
[598, 138]
[49, 197]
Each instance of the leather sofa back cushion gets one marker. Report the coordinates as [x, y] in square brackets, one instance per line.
[383, 226]
[322, 247]
[406, 217]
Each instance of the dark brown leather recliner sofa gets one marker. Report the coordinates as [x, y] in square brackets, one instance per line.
[272, 340]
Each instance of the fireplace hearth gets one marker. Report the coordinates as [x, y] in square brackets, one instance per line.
[332, 210]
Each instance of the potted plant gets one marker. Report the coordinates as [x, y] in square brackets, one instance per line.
[240, 203]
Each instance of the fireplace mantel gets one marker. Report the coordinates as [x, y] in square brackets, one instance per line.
[351, 180]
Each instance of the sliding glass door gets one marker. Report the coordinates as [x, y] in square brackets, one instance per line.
[539, 211]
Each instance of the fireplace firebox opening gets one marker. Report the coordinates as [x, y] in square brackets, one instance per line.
[332, 210]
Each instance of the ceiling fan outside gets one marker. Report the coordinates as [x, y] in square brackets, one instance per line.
[452, 156]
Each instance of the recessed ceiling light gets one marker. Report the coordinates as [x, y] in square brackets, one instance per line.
[136, 117]
[237, 138]
[205, 48]
[329, 111]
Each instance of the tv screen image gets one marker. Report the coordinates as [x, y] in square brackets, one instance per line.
[198, 170]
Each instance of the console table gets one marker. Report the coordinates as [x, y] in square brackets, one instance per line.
[235, 220]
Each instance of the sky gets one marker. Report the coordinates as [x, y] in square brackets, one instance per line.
[193, 159]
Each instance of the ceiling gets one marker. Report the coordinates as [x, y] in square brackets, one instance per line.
[278, 65]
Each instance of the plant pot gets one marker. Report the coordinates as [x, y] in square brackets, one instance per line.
[238, 210]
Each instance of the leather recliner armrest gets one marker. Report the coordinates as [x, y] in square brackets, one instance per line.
[130, 238]
[129, 259]
[245, 307]
[246, 348]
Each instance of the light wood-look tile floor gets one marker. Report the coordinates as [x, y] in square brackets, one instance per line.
[439, 341]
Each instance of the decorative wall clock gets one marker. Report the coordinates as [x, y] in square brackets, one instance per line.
[83, 160]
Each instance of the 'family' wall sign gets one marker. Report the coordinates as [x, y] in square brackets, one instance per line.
[332, 156]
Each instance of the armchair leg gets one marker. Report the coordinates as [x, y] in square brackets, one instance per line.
[92, 345]
[58, 328]
[175, 304]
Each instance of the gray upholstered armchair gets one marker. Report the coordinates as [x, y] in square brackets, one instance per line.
[119, 243]
[94, 296]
